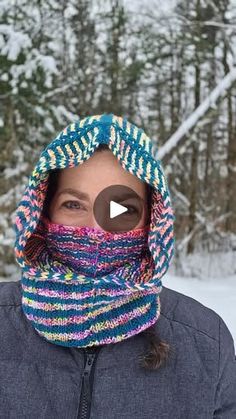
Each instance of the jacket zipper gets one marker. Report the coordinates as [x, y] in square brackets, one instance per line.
[87, 383]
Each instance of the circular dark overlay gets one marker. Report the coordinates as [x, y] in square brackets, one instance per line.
[112, 198]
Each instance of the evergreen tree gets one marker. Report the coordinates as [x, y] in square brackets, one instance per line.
[27, 73]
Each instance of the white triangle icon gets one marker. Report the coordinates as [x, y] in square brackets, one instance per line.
[116, 209]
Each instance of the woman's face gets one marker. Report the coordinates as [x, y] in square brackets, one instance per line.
[95, 174]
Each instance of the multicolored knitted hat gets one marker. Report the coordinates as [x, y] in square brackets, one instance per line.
[74, 145]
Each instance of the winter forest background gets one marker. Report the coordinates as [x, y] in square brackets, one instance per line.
[153, 62]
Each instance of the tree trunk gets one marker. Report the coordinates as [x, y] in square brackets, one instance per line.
[230, 195]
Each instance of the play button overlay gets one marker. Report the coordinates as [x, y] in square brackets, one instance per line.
[118, 208]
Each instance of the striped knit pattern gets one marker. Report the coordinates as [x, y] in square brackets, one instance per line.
[91, 251]
[73, 309]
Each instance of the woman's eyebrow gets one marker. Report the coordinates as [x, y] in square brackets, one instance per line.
[75, 192]
[125, 196]
[84, 196]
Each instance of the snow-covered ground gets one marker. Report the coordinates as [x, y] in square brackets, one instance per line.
[219, 295]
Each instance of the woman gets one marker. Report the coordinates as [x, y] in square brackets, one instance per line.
[89, 331]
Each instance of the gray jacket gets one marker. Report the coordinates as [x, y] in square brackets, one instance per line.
[41, 380]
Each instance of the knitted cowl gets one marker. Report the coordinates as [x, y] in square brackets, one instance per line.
[72, 309]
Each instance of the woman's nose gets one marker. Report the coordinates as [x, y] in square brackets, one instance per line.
[93, 223]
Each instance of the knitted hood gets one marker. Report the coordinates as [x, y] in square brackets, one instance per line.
[75, 144]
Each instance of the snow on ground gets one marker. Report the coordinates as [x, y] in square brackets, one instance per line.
[219, 295]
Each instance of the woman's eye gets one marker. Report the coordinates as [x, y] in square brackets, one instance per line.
[67, 204]
[133, 210]
[76, 205]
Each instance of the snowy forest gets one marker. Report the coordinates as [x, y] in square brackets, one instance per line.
[155, 64]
